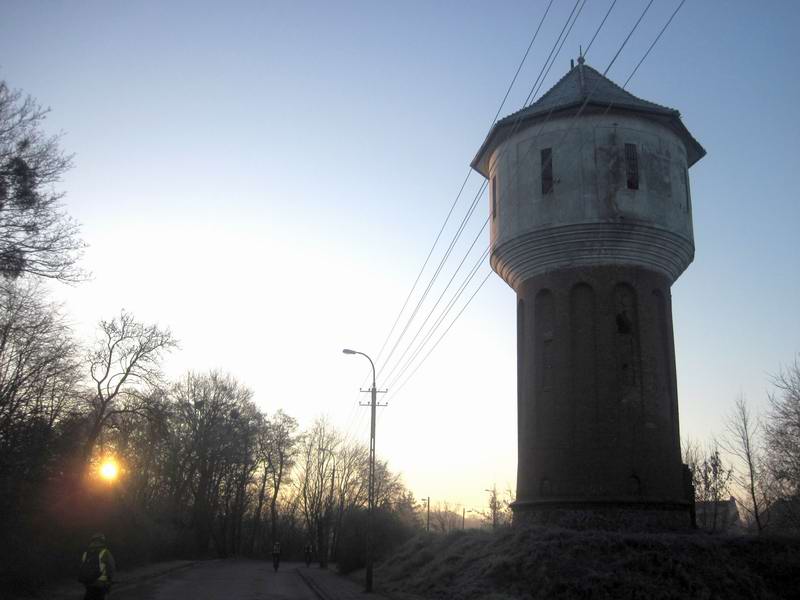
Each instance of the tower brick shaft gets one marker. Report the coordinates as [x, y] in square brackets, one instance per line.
[591, 223]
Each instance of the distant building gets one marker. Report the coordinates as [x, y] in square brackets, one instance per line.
[591, 223]
[721, 516]
[782, 516]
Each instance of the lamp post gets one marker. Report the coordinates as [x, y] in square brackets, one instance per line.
[493, 505]
[371, 501]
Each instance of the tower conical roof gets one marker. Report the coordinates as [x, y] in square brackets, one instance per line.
[583, 84]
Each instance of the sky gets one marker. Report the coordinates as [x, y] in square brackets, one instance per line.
[267, 179]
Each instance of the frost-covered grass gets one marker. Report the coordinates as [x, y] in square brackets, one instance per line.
[538, 562]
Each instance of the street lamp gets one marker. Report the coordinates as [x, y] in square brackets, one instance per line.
[493, 505]
[371, 501]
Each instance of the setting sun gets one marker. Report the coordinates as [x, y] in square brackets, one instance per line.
[109, 470]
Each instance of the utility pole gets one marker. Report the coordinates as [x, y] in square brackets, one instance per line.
[428, 526]
[371, 501]
[463, 518]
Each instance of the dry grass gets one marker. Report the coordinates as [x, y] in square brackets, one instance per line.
[535, 562]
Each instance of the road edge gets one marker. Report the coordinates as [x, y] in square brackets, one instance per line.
[312, 585]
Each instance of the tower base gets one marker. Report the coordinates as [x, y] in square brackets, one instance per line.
[607, 515]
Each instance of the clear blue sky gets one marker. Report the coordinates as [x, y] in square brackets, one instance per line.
[267, 178]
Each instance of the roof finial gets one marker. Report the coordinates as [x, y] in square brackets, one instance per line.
[581, 60]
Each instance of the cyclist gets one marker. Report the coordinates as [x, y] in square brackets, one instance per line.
[276, 555]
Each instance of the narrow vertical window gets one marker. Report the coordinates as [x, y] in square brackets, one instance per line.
[547, 170]
[627, 344]
[688, 207]
[547, 364]
[521, 359]
[544, 329]
[632, 166]
[494, 197]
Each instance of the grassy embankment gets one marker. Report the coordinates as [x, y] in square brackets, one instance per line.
[559, 563]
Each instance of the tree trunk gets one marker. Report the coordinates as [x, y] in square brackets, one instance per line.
[257, 516]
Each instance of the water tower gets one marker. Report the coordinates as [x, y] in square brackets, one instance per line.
[591, 223]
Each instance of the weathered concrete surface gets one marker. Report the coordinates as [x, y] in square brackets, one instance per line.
[591, 217]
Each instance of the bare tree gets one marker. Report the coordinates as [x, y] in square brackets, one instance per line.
[278, 453]
[315, 481]
[352, 477]
[36, 236]
[37, 356]
[691, 453]
[444, 518]
[499, 508]
[214, 458]
[508, 500]
[712, 483]
[39, 373]
[125, 359]
[742, 440]
[783, 439]
[495, 507]
[263, 440]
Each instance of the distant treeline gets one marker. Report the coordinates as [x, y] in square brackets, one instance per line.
[202, 471]
[755, 461]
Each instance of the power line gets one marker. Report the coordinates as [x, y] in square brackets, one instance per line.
[570, 22]
[441, 337]
[610, 8]
[443, 315]
[439, 299]
[424, 264]
[574, 120]
[463, 185]
[539, 81]
[447, 253]
[658, 37]
[519, 68]
[635, 25]
[549, 61]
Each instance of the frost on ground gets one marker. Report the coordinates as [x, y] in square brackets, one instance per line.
[551, 563]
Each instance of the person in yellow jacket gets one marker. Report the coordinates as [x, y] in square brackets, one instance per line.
[97, 568]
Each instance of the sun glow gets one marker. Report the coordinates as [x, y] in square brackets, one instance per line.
[109, 470]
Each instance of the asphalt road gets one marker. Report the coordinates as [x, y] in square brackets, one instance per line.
[223, 580]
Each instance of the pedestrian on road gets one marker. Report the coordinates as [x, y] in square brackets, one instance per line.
[97, 568]
[309, 554]
[276, 555]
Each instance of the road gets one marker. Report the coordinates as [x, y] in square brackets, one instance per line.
[221, 580]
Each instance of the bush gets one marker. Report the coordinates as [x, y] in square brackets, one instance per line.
[389, 533]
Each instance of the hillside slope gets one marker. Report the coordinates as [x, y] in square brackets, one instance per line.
[535, 563]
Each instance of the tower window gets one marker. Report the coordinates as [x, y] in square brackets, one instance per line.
[494, 197]
[547, 364]
[688, 206]
[547, 170]
[632, 166]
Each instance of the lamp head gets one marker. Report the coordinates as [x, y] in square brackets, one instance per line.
[348, 351]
